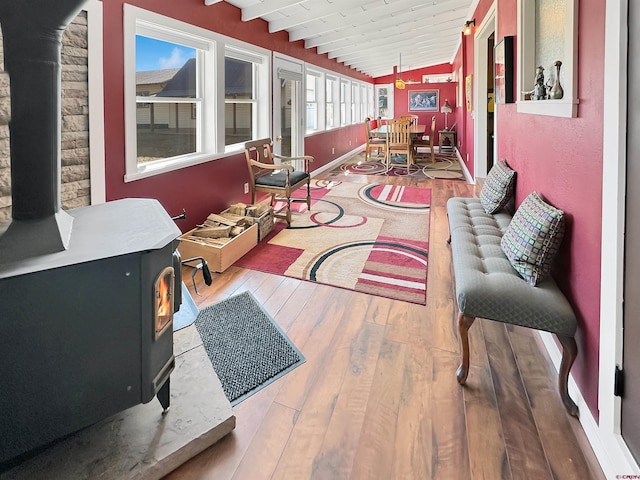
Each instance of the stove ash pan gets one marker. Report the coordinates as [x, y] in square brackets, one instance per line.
[84, 341]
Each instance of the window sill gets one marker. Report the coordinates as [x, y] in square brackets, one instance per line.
[551, 108]
[160, 167]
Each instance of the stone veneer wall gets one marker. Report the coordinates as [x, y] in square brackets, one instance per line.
[75, 188]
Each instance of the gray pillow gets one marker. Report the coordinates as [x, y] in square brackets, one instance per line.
[498, 187]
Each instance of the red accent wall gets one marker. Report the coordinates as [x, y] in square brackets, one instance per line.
[561, 158]
[212, 186]
[446, 91]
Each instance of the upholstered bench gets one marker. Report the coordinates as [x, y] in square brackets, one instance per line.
[488, 286]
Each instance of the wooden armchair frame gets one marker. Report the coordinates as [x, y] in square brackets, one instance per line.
[373, 143]
[279, 180]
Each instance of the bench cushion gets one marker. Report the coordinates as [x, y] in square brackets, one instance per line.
[487, 286]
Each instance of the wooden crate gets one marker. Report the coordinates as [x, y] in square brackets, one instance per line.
[220, 258]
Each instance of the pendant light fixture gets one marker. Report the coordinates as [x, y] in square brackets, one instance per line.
[399, 81]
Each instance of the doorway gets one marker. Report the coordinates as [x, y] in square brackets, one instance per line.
[288, 107]
[482, 87]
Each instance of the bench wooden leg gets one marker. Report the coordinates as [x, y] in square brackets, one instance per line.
[569, 354]
[464, 324]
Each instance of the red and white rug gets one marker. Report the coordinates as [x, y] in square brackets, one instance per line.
[368, 238]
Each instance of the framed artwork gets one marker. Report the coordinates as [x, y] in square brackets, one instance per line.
[423, 100]
[469, 92]
[503, 70]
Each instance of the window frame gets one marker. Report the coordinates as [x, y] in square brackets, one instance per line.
[213, 48]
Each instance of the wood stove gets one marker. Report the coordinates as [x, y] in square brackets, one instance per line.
[86, 296]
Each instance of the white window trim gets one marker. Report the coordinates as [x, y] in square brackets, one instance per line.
[216, 45]
[320, 91]
[568, 105]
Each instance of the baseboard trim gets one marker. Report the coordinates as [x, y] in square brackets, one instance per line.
[603, 448]
[331, 165]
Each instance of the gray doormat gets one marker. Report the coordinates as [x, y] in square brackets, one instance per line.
[247, 349]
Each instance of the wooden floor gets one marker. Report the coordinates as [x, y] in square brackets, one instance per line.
[377, 397]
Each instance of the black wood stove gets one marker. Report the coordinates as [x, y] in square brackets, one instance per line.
[87, 297]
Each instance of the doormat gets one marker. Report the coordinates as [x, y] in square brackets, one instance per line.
[247, 349]
[368, 238]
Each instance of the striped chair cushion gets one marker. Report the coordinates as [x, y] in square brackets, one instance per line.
[498, 187]
[533, 237]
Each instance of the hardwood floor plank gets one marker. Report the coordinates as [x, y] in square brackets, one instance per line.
[332, 364]
[449, 447]
[375, 455]
[527, 458]
[487, 449]
[336, 455]
[262, 456]
[554, 425]
[413, 446]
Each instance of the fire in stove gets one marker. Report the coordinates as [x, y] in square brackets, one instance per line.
[163, 292]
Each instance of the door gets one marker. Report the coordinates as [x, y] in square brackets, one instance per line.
[630, 413]
[288, 107]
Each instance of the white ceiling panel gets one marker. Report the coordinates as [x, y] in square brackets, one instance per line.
[368, 35]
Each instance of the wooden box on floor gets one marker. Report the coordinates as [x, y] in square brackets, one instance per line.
[219, 258]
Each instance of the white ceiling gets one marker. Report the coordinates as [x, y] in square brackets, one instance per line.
[368, 35]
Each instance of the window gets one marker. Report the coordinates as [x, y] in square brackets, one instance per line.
[355, 99]
[312, 103]
[241, 77]
[181, 108]
[331, 96]
[547, 32]
[166, 98]
[344, 85]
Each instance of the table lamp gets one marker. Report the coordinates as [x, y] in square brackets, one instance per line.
[446, 109]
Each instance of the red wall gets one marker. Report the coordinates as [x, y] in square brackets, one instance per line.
[561, 158]
[212, 186]
[447, 90]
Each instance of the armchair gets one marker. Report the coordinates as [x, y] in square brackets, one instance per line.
[279, 180]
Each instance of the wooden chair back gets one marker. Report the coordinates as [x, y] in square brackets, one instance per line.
[399, 140]
[413, 119]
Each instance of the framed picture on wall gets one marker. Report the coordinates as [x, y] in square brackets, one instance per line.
[503, 71]
[423, 100]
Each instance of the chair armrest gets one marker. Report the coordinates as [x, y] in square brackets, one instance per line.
[271, 166]
[308, 158]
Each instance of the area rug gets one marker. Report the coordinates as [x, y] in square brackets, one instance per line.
[368, 238]
[445, 167]
[247, 349]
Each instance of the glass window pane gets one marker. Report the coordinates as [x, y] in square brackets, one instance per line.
[165, 69]
[165, 130]
[238, 78]
[238, 123]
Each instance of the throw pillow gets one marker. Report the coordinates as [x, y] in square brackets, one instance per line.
[498, 187]
[533, 237]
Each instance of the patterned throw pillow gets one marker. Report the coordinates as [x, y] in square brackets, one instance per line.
[533, 238]
[498, 187]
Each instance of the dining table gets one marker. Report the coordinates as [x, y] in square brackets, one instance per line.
[414, 130]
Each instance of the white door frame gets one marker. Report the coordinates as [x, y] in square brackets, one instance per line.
[480, 86]
[293, 66]
[614, 456]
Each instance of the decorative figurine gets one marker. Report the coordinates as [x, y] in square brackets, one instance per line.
[539, 90]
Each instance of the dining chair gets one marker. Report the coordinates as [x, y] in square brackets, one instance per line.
[399, 141]
[413, 119]
[373, 142]
[279, 180]
[426, 141]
